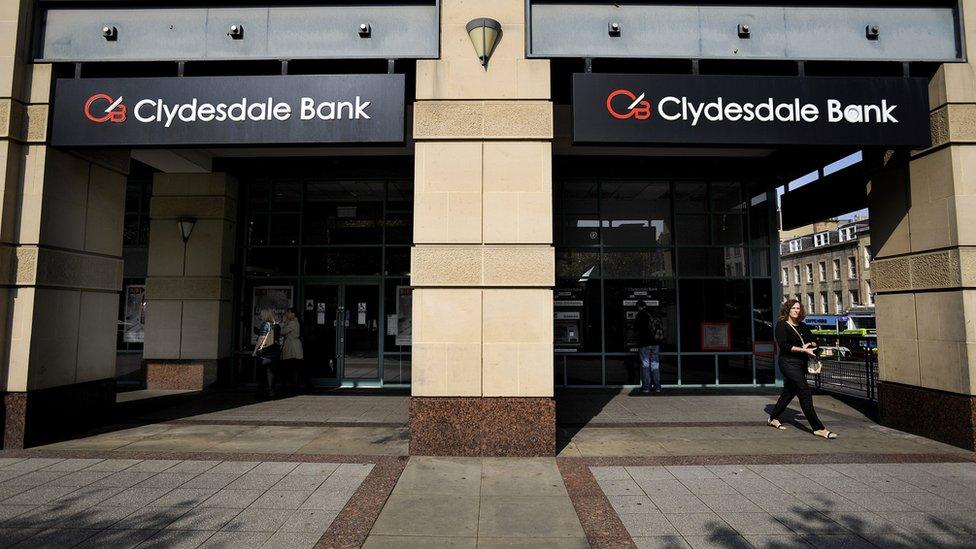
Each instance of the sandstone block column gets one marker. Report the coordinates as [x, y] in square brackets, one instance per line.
[923, 229]
[60, 258]
[482, 265]
[189, 286]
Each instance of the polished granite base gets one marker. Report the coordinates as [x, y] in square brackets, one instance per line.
[180, 374]
[470, 426]
[946, 417]
[35, 417]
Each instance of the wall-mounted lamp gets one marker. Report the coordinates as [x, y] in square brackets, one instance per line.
[110, 33]
[613, 29]
[236, 32]
[744, 31]
[484, 34]
[873, 32]
[186, 227]
[365, 30]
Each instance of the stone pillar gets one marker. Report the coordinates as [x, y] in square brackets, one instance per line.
[60, 257]
[189, 287]
[482, 264]
[923, 229]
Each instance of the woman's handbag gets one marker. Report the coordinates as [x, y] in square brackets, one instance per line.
[814, 366]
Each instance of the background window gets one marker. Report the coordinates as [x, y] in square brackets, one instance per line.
[811, 304]
[836, 264]
[854, 298]
[823, 302]
[809, 273]
[823, 271]
[852, 267]
[796, 274]
[838, 302]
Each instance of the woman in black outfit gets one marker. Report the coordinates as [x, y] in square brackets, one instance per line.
[796, 345]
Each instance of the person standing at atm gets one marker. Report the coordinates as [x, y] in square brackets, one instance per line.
[649, 332]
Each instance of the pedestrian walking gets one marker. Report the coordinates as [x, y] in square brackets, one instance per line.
[649, 333]
[797, 349]
[267, 350]
[292, 354]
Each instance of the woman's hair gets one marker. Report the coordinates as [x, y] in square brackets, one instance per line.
[266, 315]
[784, 311]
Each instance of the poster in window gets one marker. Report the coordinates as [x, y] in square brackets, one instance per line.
[276, 298]
[404, 327]
[133, 325]
[716, 336]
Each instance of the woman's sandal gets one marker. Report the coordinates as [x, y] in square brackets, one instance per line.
[775, 424]
[826, 433]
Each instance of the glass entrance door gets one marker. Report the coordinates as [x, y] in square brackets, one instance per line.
[342, 332]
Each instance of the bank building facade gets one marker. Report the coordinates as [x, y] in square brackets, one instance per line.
[469, 199]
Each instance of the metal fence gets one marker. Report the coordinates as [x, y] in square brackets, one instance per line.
[850, 366]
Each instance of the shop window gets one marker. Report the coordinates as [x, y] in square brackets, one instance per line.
[577, 265]
[399, 228]
[698, 370]
[639, 264]
[759, 262]
[635, 213]
[272, 261]
[707, 306]
[728, 229]
[718, 262]
[399, 196]
[765, 370]
[286, 197]
[397, 261]
[759, 221]
[726, 196]
[735, 370]
[341, 261]
[579, 230]
[283, 230]
[584, 370]
[259, 195]
[397, 369]
[621, 297]
[764, 315]
[257, 230]
[625, 370]
[690, 196]
[342, 223]
[692, 230]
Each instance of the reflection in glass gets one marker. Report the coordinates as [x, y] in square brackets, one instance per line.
[727, 196]
[719, 262]
[689, 196]
[648, 263]
[765, 370]
[284, 229]
[697, 370]
[728, 229]
[272, 261]
[691, 230]
[341, 261]
[396, 368]
[759, 221]
[343, 223]
[759, 261]
[257, 230]
[397, 261]
[623, 370]
[715, 301]
[287, 197]
[584, 370]
[635, 213]
[763, 313]
[577, 265]
[735, 370]
[399, 228]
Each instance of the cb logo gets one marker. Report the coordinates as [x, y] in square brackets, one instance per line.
[114, 112]
[637, 107]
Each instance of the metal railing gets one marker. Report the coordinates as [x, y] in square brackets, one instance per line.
[850, 366]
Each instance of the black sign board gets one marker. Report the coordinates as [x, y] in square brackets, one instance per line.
[238, 110]
[750, 110]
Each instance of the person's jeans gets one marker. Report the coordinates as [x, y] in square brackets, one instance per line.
[650, 358]
[795, 385]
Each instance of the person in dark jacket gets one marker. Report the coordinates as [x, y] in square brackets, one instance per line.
[795, 345]
[649, 334]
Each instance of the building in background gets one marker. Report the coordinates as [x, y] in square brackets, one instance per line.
[827, 266]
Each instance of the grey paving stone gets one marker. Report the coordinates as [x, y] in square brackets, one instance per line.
[235, 540]
[31, 464]
[204, 518]
[137, 496]
[236, 499]
[259, 520]
[718, 542]
[124, 479]
[648, 525]
[699, 524]
[776, 541]
[151, 518]
[778, 502]
[415, 515]
[419, 542]
[42, 516]
[80, 478]
[755, 523]
[291, 540]
[889, 484]
[354, 470]
[625, 487]
[729, 503]
[829, 502]
[315, 469]
[795, 485]
[921, 522]
[757, 485]
[309, 521]
[282, 499]
[532, 543]
[733, 471]
[649, 473]
[8, 512]
[299, 482]
[426, 476]
[632, 504]
[11, 491]
[56, 538]
[116, 539]
[845, 485]
[661, 542]
[35, 478]
[274, 468]
[39, 495]
[863, 523]
[690, 471]
[96, 517]
[254, 481]
[879, 502]
[113, 465]
[708, 486]
[528, 517]
[167, 480]
[185, 497]
[176, 539]
[12, 536]
[679, 503]
[827, 541]
[211, 480]
[153, 465]
[811, 522]
[329, 500]
[610, 473]
[233, 467]
[4, 462]
[193, 466]
[71, 465]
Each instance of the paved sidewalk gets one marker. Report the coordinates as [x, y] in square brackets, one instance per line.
[777, 506]
[115, 503]
[472, 502]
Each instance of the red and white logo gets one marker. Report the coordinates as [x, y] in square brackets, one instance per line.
[637, 107]
[101, 108]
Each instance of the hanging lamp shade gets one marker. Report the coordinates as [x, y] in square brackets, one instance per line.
[484, 33]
